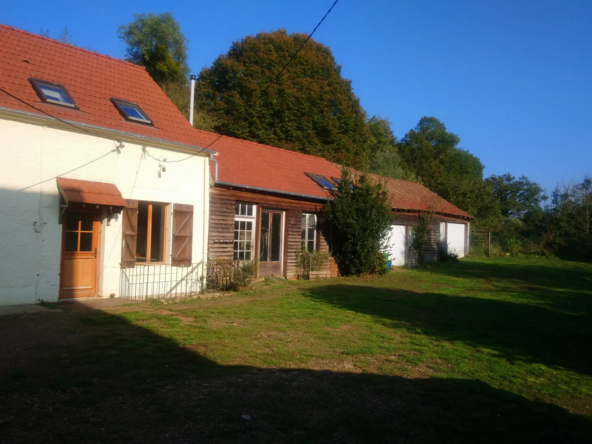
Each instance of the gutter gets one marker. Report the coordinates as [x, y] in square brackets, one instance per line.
[116, 133]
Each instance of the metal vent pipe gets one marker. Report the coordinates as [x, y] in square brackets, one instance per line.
[192, 100]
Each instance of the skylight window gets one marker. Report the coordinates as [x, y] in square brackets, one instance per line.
[53, 93]
[131, 111]
[322, 181]
[337, 180]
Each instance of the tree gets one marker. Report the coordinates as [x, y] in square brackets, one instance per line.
[156, 42]
[431, 153]
[359, 218]
[385, 158]
[311, 108]
[64, 37]
[516, 196]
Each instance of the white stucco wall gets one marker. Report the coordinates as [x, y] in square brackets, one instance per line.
[31, 153]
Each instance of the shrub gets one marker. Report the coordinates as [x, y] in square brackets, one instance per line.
[307, 261]
[421, 236]
[359, 218]
[226, 274]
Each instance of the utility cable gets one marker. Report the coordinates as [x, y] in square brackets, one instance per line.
[295, 54]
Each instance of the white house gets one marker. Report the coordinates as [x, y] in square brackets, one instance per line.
[103, 183]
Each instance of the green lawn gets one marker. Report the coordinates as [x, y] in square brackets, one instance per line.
[473, 351]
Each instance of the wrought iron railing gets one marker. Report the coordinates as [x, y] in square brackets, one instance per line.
[160, 281]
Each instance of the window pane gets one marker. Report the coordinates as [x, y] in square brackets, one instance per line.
[235, 245]
[72, 220]
[248, 256]
[241, 256]
[71, 242]
[157, 235]
[311, 245]
[311, 234]
[236, 235]
[276, 227]
[311, 220]
[263, 255]
[132, 112]
[249, 226]
[237, 209]
[86, 241]
[303, 222]
[54, 93]
[303, 235]
[242, 224]
[142, 241]
[248, 235]
[235, 256]
[86, 221]
[248, 246]
[250, 210]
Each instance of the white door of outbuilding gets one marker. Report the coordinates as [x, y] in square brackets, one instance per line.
[456, 239]
[396, 243]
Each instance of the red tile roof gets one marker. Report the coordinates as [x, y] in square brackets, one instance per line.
[254, 165]
[91, 79]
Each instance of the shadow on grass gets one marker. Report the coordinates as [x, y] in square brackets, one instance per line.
[127, 384]
[524, 332]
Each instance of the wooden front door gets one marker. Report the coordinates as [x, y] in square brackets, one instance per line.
[270, 243]
[80, 250]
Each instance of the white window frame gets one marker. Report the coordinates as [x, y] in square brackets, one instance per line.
[244, 218]
[306, 240]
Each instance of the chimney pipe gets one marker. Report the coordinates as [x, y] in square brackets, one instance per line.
[191, 101]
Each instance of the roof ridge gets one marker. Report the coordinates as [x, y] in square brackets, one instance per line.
[69, 45]
[273, 147]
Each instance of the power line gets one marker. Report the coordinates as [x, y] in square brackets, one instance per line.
[160, 159]
[95, 134]
[56, 118]
[295, 54]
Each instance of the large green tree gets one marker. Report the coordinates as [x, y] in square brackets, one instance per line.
[310, 108]
[431, 153]
[384, 155]
[156, 42]
[516, 196]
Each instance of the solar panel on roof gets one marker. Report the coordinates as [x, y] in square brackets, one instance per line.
[322, 181]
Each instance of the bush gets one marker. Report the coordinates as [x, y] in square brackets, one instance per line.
[359, 218]
[421, 236]
[229, 275]
[307, 261]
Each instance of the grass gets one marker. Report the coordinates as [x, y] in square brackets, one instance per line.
[478, 350]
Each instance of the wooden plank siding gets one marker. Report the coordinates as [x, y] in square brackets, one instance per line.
[221, 231]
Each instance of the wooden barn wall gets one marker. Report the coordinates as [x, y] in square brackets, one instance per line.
[221, 232]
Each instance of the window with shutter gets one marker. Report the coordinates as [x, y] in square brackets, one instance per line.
[129, 234]
[182, 235]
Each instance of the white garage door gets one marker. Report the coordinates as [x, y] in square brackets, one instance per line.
[396, 245]
[456, 239]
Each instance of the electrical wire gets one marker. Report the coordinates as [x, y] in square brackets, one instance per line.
[160, 159]
[295, 54]
[56, 118]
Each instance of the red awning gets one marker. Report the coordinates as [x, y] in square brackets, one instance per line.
[87, 192]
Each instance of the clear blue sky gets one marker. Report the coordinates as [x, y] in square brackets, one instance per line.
[511, 78]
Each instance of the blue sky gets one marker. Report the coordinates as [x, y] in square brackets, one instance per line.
[511, 78]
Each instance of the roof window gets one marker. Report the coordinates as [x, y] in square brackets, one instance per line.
[131, 111]
[322, 181]
[53, 93]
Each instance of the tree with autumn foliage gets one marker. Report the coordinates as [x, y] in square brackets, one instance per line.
[310, 108]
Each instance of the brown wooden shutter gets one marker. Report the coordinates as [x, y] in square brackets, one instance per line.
[130, 234]
[182, 235]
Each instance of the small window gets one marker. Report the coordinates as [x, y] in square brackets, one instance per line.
[131, 111]
[53, 93]
[309, 230]
[151, 243]
[322, 181]
[244, 232]
[337, 180]
[244, 209]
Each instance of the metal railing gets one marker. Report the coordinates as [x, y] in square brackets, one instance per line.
[160, 281]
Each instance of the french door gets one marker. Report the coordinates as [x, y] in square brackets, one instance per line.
[80, 248]
[271, 241]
